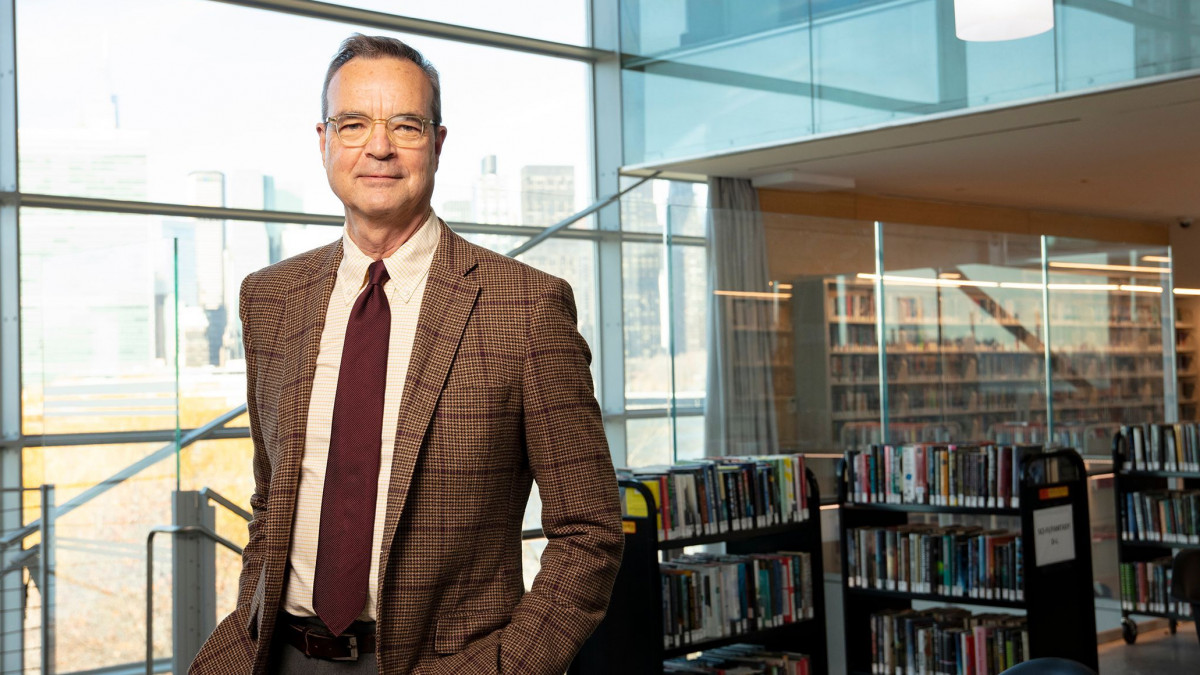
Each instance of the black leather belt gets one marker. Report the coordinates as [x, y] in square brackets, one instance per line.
[314, 641]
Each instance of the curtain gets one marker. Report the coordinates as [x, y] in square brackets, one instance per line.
[740, 406]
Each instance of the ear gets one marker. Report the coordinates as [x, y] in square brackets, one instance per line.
[438, 139]
[321, 136]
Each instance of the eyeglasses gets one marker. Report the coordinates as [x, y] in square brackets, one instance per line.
[404, 131]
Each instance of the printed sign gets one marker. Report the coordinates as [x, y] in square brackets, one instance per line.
[1053, 535]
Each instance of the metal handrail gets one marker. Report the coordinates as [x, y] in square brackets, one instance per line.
[198, 434]
[172, 530]
[209, 493]
[570, 220]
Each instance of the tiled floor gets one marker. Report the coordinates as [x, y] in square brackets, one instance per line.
[1156, 652]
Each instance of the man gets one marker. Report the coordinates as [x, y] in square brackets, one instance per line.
[404, 389]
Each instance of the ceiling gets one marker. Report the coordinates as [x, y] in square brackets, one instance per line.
[1130, 152]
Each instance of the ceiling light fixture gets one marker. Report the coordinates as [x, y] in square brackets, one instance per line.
[923, 281]
[996, 20]
[754, 294]
[1137, 269]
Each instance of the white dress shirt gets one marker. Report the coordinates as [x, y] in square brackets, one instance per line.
[407, 269]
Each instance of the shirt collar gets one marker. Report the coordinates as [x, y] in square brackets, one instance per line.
[406, 268]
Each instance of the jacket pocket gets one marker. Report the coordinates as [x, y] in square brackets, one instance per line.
[455, 631]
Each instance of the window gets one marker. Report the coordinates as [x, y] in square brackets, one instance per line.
[218, 106]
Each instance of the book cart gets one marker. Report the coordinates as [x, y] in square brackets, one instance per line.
[630, 639]
[1154, 518]
[1052, 585]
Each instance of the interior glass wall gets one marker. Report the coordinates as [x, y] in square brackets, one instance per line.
[805, 67]
[963, 335]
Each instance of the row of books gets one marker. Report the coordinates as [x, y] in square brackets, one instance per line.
[973, 476]
[1168, 516]
[1161, 447]
[708, 597]
[720, 494]
[946, 641]
[1146, 587]
[741, 659]
[955, 560]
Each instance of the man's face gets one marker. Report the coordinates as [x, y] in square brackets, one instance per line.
[380, 181]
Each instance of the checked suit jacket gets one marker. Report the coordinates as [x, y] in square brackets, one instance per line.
[498, 394]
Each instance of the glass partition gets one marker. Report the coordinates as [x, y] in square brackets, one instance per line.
[807, 67]
[100, 570]
[831, 396]
[1112, 337]
[963, 334]
[98, 338]
[103, 343]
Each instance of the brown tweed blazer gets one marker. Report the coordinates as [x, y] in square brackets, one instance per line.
[498, 394]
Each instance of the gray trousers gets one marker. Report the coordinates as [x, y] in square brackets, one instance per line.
[287, 660]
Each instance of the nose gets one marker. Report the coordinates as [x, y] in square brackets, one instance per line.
[379, 146]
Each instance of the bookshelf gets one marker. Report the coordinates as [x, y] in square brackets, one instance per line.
[630, 639]
[1156, 485]
[1050, 488]
[962, 361]
[1187, 309]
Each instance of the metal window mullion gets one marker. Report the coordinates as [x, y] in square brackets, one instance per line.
[12, 596]
[356, 16]
[1169, 339]
[606, 157]
[880, 339]
[46, 581]
[1048, 354]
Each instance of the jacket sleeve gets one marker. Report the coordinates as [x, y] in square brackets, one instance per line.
[581, 513]
[232, 646]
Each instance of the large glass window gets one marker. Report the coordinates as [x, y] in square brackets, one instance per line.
[218, 106]
[130, 321]
[554, 20]
[101, 546]
[126, 347]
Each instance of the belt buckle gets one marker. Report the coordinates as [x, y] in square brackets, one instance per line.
[353, 640]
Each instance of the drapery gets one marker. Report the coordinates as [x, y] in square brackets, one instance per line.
[740, 407]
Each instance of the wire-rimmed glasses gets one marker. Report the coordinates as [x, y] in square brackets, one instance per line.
[404, 131]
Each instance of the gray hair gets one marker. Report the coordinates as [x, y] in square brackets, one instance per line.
[378, 47]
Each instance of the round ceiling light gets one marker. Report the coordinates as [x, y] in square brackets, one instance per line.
[995, 20]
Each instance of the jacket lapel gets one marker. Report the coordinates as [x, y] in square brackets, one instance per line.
[303, 320]
[449, 298]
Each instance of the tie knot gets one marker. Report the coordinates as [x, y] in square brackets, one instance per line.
[377, 273]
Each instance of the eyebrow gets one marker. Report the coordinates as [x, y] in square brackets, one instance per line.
[356, 112]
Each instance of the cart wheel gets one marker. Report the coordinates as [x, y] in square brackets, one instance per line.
[1172, 625]
[1129, 631]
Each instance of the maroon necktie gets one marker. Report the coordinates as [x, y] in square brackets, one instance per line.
[352, 470]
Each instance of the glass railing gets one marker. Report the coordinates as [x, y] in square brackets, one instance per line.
[782, 70]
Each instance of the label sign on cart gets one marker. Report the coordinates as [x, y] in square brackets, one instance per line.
[1053, 535]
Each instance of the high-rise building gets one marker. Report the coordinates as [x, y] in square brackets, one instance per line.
[491, 197]
[547, 194]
